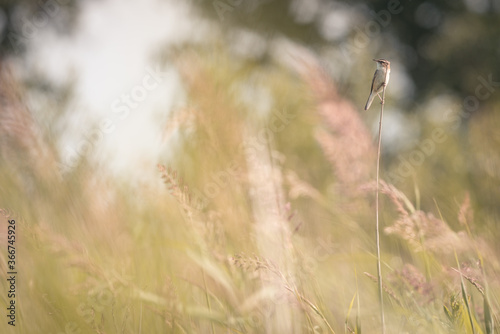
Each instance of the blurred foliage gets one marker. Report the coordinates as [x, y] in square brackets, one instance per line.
[21, 20]
[444, 44]
[101, 255]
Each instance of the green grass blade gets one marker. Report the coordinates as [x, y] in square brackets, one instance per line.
[349, 311]
[488, 318]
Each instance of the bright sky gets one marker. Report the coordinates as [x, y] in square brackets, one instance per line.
[119, 85]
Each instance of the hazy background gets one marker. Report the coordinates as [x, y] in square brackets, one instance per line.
[87, 54]
[100, 92]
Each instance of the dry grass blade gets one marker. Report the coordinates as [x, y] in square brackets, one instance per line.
[216, 273]
[377, 207]
[385, 288]
[312, 306]
[472, 281]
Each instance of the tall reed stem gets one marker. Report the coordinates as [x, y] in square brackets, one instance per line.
[377, 229]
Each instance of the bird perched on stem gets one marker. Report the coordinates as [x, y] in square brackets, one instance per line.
[380, 80]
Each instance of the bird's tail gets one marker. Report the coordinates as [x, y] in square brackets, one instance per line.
[370, 100]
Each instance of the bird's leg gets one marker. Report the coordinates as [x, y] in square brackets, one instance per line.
[381, 99]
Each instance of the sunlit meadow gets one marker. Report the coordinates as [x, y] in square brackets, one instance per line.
[262, 219]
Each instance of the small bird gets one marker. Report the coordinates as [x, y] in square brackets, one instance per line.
[380, 80]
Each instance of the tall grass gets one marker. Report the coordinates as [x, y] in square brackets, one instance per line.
[261, 223]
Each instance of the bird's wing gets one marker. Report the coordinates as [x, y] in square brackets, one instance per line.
[378, 81]
[373, 81]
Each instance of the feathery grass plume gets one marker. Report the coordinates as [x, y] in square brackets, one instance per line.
[179, 191]
[412, 283]
[21, 141]
[176, 188]
[474, 274]
[299, 188]
[414, 278]
[387, 290]
[421, 230]
[403, 205]
[205, 223]
[345, 139]
[267, 267]
[17, 129]
[473, 279]
[255, 263]
[424, 232]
